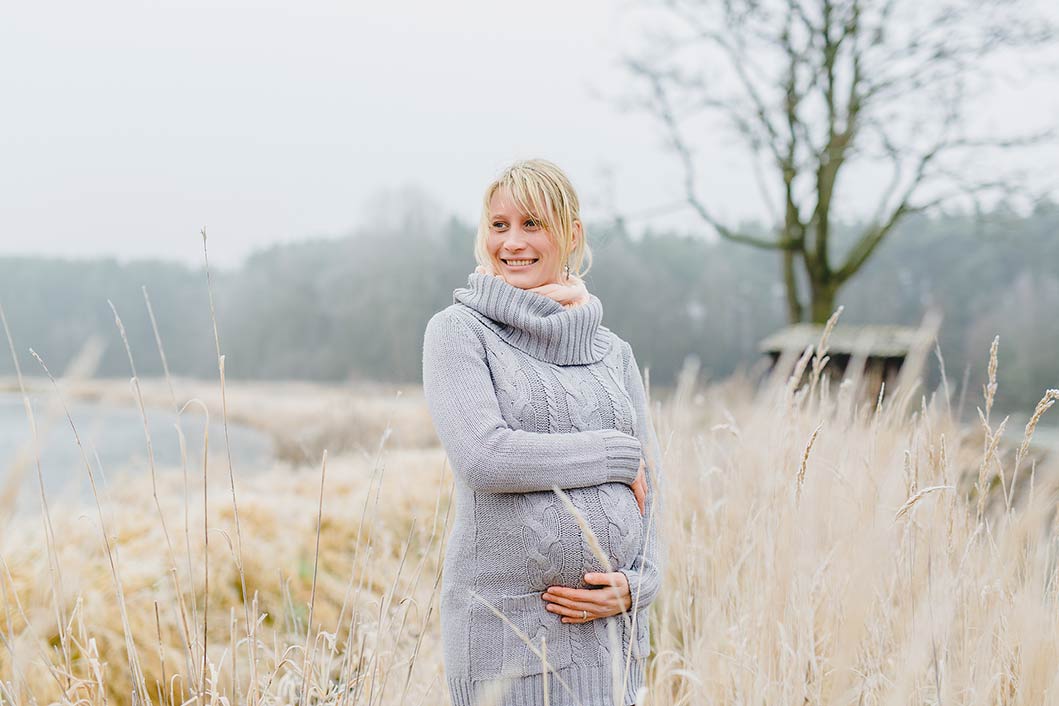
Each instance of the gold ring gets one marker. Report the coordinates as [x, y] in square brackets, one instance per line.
[584, 615]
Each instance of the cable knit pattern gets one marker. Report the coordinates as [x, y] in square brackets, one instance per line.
[526, 395]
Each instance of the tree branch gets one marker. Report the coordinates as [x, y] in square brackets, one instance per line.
[665, 113]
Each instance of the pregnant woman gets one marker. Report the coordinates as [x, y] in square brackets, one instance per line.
[528, 390]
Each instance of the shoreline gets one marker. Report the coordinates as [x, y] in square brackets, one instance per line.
[302, 418]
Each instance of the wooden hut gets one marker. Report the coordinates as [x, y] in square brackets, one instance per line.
[874, 354]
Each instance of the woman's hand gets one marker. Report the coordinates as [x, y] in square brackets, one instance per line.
[639, 487]
[572, 293]
[579, 605]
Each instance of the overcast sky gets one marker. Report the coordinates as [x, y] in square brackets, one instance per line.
[127, 126]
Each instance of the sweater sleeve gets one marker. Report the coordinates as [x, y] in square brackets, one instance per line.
[485, 453]
[645, 576]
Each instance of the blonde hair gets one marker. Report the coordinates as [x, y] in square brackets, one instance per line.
[544, 192]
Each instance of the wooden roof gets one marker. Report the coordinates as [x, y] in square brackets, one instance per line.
[875, 340]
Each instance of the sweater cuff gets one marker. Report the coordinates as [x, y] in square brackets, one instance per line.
[643, 586]
[623, 455]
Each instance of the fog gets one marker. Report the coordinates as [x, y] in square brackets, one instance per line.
[128, 126]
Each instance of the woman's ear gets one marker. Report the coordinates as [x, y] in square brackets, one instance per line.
[577, 234]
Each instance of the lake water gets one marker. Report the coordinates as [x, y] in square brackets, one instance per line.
[116, 434]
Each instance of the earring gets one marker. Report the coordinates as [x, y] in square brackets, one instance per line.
[566, 271]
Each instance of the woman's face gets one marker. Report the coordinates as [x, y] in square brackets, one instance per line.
[522, 251]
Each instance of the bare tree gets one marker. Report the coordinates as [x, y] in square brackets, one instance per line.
[814, 86]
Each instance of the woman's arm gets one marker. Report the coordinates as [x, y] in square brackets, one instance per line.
[488, 455]
[645, 576]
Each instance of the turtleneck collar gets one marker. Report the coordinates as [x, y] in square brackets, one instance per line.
[537, 324]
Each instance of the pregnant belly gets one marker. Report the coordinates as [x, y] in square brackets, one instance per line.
[558, 551]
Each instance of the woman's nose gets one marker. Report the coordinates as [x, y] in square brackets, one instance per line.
[515, 240]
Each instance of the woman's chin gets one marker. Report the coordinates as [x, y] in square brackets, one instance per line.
[522, 280]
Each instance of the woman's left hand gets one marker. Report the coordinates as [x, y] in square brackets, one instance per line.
[579, 605]
[573, 293]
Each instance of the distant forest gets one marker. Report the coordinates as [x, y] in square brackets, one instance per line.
[354, 308]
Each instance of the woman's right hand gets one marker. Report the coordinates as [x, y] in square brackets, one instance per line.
[639, 487]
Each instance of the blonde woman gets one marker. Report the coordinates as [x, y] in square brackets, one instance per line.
[529, 391]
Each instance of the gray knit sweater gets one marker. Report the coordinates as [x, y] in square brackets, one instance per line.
[526, 395]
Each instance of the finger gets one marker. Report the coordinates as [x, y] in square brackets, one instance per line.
[570, 615]
[580, 605]
[614, 578]
[575, 610]
[550, 292]
[584, 595]
[615, 584]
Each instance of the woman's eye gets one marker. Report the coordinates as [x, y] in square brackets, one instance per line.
[532, 224]
[499, 224]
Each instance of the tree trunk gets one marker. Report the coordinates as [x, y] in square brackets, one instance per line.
[822, 305]
[790, 282]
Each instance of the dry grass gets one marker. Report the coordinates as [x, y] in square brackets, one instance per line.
[370, 578]
[861, 573]
[820, 551]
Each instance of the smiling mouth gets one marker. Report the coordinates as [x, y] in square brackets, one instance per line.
[519, 264]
